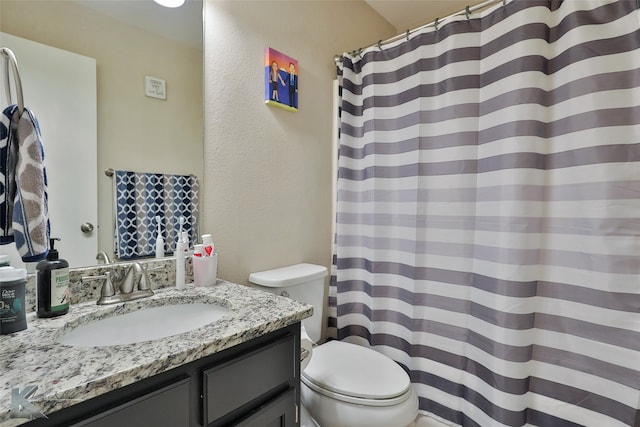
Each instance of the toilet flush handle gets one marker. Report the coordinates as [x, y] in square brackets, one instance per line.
[284, 294]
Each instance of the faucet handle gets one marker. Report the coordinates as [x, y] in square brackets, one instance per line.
[107, 288]
[143, 283]
[127, 283]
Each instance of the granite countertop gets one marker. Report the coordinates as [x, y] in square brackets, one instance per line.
[68, 375]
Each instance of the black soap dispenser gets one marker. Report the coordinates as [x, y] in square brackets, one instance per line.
[52, 285]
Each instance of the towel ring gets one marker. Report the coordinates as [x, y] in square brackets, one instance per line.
[9, 57]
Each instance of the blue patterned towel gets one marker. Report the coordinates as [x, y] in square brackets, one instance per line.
[139, 197]
[24, 209]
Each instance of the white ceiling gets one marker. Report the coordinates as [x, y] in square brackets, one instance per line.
[409, 14]
[177, 24]
[174, 23]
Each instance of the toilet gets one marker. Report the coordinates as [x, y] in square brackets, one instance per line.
[343, 384]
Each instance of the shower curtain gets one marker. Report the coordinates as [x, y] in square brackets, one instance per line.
[488, 213]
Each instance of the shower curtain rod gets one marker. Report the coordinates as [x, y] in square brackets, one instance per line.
[438, 21]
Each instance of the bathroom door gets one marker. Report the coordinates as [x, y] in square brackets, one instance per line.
[60, 88]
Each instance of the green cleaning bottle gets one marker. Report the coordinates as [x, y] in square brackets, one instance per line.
[52, 285]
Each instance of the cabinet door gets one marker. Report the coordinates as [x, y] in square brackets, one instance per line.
[279, 412]
[248, 379]
[166, 407]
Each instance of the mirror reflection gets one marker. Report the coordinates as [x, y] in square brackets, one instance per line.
[130, 42]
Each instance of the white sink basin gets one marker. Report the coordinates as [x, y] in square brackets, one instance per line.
[144, 325]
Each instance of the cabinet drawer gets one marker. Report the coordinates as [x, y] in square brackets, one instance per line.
[238, 382]
[168, 406]
[279, 412]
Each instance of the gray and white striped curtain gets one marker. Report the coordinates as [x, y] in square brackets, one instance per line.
[488, 214]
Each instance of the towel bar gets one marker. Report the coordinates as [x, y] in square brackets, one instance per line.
[8, 55]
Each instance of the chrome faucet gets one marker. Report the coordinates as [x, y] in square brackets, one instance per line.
[102, 256]
[133, 285]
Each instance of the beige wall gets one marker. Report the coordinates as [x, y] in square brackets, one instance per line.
[268, 177]
[267, 172]
[134, 132]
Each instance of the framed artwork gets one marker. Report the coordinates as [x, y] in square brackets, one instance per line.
[280, 80]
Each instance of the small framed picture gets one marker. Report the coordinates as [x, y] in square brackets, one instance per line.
[281, 80]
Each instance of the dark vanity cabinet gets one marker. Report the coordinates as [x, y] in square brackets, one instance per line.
[245, 379]
[254, 384]
[168, 406]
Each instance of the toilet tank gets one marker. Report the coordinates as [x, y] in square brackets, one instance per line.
[302, 282]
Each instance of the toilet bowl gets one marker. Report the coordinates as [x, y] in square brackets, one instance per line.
[305, 419]
[343, 384]
[348, 385]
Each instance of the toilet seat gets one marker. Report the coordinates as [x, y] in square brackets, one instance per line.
[355, 374]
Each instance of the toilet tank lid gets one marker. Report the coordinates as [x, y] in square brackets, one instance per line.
[288, 276]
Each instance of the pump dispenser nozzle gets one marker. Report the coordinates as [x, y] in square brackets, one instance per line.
[53, 253]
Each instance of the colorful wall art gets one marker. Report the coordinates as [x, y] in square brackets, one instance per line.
[281, 80]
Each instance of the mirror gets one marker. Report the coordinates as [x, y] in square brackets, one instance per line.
[129, 39]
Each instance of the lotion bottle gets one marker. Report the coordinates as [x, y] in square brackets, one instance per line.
[52, 285]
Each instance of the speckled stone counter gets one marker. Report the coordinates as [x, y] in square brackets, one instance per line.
[68, 375]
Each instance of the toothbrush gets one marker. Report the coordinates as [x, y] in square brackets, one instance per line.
[159, 238]
[181, 249]
[159, 224]
[182, 220]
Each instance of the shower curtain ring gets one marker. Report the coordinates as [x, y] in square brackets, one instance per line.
[467, 12]
[407, 35]
[435, 24]
[380, 44]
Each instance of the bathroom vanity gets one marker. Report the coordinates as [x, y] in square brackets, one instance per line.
[241, 370]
